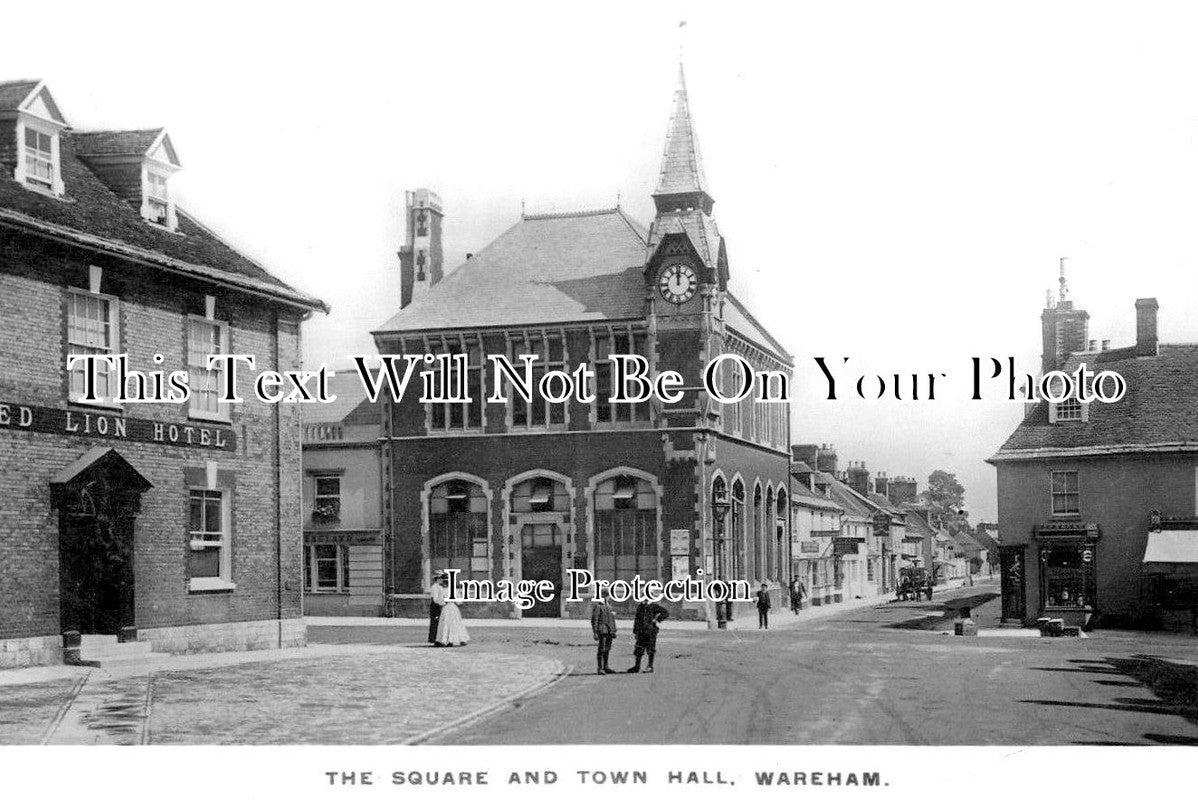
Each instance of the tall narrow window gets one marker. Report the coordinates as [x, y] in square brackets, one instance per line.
[458, 416]
[457, 515]
[39, 158]
[606, 344]
[157, 198]
[737, 516]
[92, 330]
[549, 349]
[326, 498]
[208, 557]
[1066, 498]
[626, 529]
[206, 338]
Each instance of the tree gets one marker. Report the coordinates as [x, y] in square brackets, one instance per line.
[945, 496]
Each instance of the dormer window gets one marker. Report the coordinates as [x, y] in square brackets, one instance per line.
[158, 203]
[38, 161]
[39, 158]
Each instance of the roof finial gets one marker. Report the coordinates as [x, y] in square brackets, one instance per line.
[1063, 294]
[681, 44]
[522, 215]
[617, 198]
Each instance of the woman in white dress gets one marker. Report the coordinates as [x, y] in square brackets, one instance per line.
[451, 630]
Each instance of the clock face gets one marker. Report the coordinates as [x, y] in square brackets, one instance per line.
[678, 283]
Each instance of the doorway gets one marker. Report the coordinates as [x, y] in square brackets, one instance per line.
[1012, 581]
[98, 499]
[541, 560]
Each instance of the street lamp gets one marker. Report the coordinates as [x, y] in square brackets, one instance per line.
[719, 509]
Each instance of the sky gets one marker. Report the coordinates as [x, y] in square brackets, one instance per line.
[895, 181]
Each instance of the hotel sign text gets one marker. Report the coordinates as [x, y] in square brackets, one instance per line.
[104, 425]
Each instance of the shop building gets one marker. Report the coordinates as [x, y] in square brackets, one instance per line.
[529, 489]
[173, 524]
[1096, 501]
[342, 510]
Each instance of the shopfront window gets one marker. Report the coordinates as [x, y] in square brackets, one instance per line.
[1067, 575]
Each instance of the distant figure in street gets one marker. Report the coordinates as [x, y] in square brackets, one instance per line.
[437, 594]
[763, 607]
[451, 630]
[603, 625]
[797, 593]
[644, 631]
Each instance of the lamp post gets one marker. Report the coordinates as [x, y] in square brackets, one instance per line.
[719, 509]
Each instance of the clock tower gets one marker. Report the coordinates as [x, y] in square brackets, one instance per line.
[686, 270]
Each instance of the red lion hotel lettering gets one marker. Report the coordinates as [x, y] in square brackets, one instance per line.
[190, 511]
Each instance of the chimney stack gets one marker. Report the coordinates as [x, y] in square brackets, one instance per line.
[1146, 341]
[858, 477]
[882, 484]
[420, 258]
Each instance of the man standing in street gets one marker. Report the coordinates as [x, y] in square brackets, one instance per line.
[437, 594]
[763, 607]
[644, 631]
[603, 625]
[797, 593]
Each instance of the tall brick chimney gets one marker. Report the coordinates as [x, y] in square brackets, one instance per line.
[807, 453]
[882, 484]
[420, 258]
[1146, 341]
[826, 458]
[858, 477]
[903, 490]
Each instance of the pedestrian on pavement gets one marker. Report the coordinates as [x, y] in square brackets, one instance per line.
[603, 625]
[644, 630]
[797, 592]
[451, 630]
[437, 594]
[763, 607]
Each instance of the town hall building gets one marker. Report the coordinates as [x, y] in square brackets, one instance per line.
[530, 489]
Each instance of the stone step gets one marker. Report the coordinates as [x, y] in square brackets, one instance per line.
[113, 649]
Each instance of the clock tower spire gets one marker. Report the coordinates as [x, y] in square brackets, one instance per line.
[682, 185]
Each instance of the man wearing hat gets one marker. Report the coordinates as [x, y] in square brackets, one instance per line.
[437, 594]
[603, 625]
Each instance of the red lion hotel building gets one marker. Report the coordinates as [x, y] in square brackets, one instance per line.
[528, 490]
[1097, 502]
[166, 527]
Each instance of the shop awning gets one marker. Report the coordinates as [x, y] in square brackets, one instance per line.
[1168, 548]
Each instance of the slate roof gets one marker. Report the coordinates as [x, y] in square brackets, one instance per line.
[114, 143]
[849, 500]
[93, 216]
[13, 93]
[1158, 413]
[799, 493]
[738, 318]
[681, 163]
[547, 269]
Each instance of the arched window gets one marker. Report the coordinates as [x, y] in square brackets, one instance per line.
[738, 530]
[540, 494]
[781, 545]
[625, 529]
[758, 550]
[457, 529]
[767, 536]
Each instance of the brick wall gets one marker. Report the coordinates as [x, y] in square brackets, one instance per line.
[34, 281]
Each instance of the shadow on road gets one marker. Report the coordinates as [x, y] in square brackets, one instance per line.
[948, 611]
[1174, 685]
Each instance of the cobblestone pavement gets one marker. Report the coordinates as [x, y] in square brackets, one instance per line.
[330, 695]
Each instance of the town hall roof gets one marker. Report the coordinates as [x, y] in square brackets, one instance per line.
[545, 269]
[1159, 413]
[681, 163]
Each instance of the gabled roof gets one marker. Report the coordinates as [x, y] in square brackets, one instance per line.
[800, 494]
[122, 143]
[92, 216]
[681, 163]
[849, 500]
[348, 407]
[14, 93]
[544, 270]
[917, 524]
[738, 318]
[1159, 413]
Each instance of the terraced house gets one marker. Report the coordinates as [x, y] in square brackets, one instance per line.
[175, 526]
[527, 490]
